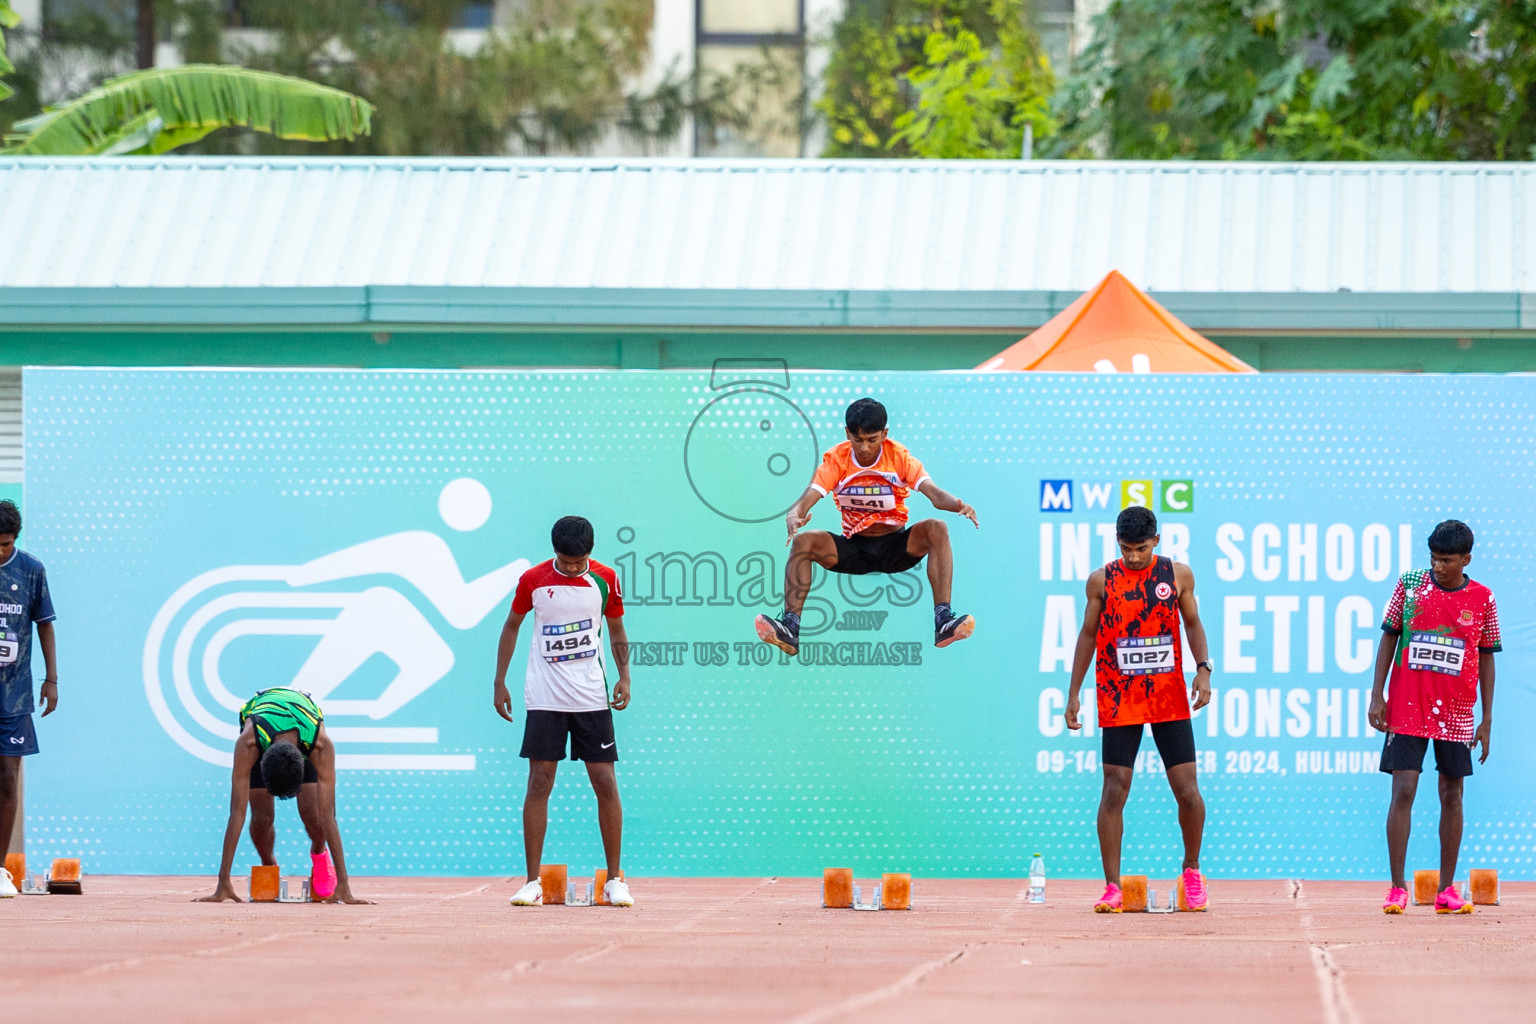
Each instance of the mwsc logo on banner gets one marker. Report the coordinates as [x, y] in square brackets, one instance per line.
[1171, 495]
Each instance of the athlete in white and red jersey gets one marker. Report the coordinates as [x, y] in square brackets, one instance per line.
[1439, 636]
[869, 476]
[573, 599]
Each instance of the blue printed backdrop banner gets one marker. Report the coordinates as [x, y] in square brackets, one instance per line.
[359, 534]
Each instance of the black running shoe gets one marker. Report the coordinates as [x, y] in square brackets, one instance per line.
[956, 627]
[774, 631]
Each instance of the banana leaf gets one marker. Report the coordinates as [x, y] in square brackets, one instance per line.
[190, 102]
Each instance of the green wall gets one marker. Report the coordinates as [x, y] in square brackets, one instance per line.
[808, 349]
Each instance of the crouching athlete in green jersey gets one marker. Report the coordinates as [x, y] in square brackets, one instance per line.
[283, 752]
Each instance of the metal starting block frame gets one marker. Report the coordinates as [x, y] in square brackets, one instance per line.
[36, 885]
[1153, 908]
[575, 896]
[282, 892]
[874, 899]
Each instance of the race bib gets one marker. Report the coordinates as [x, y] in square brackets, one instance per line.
[1435, 652]
[1144, 655]
[10, 647]
[570, 641]
[867, 498]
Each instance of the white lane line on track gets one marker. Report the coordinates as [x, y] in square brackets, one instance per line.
[858, 1002]
[1337, 1009]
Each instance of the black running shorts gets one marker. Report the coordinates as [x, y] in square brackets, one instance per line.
[861, 554]
[1406, 754]
[591, 734]
[1175, 743]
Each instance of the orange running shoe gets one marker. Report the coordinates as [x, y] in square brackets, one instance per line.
[1194, 890]
[1396, 902]
[1110, 902]
[1450, 902]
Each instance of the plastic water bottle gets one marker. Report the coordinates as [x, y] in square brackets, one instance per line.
[1037, 879]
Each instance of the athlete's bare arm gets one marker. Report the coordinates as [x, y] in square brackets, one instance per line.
[800, 512]
[49, 694]
[323, 756]
[1087, 640]
[1485, 685]
[946, 502]
[1194, 632]
[1386, 650]
[618, 639]
[502, 697]
[246, 753]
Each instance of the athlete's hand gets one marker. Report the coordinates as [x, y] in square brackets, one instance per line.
[1377, 716]
[1074, 708]
[502, 699]
[224, 893]
[1482, 736]
[49, 695]
[620, 699]
[343, 894]
[1200, 689]
[968, 512]
[795, 521]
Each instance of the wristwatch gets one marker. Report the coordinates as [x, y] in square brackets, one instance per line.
[1205, 665]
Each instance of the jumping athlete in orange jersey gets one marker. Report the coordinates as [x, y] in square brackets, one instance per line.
[869, 476]
[1132, 628]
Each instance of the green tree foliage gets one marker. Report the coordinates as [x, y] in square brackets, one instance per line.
[1306, 80]
[8, 19]
[935, 78]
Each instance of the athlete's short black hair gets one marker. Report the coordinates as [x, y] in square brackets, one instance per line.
[282, 766]
[10, 518]
[1452, 537]
[866, 416]
[572, 537]
[1136, 524]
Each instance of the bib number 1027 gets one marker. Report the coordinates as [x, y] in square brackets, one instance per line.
[1144, 655]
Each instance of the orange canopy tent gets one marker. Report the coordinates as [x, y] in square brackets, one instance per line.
[1116, 328]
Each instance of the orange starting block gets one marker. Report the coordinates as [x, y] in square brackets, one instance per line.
[896, 891]
[1484, 884]
[837, 888]
[64, 876]
[552, 878]
[1133, 894]
[1426, 886]
[266, 881]
[16, 864]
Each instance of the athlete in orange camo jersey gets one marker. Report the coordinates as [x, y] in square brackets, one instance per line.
[870, 477]
[1131, 634]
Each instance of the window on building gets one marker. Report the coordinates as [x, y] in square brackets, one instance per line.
[758, 46]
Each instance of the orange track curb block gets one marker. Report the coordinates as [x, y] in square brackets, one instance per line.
[1484, 883]
[16, 864]
[64, 876]
[1180, 903]
[1426, 886]
[837, 888]
[896, 891]
[552, 878]
[600, 879]
[1133, 894]
[265, 880]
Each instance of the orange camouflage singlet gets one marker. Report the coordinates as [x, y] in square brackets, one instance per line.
[1140, 672]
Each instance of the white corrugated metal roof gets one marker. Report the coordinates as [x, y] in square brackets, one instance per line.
[898, 226]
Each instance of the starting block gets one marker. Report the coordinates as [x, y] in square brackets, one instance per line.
[1426, 886]
[552, 880]
[1152, 905]
[37, 885]
[301, 897]
[266, 883]
[1133, 894]
[896, 891]
[578, 896]
[600, 879]
[64, 876]
[837, 888]
[1484, 886]
[16, 865]
[874, 899]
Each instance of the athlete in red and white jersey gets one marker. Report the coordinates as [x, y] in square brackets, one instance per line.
[574, 600]
[1131, 636]
[1439, 636]
[870, 477]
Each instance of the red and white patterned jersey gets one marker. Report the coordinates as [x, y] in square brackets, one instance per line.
[867, 495]
[1433, 685]
[566, 667]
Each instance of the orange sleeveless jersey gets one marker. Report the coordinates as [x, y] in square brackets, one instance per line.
[1140, 671]
[867, 495]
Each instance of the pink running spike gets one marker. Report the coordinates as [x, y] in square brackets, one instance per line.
[322, 878]
[1111, 902]
[1194, 890]
[1396, 901]
[1450, 902]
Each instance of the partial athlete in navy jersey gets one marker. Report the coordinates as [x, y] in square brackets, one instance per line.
[24, 605]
